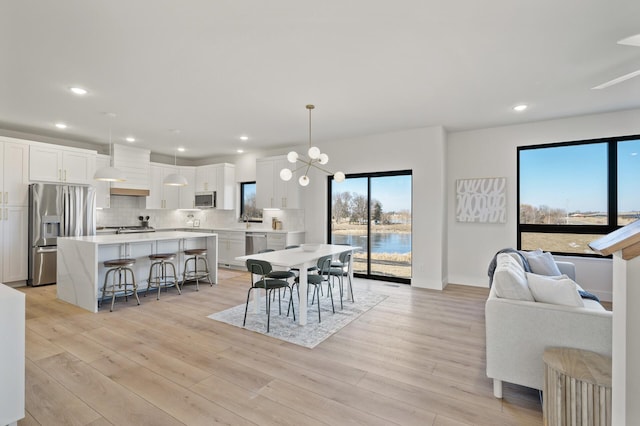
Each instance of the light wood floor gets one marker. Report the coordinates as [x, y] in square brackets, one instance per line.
[417, 358]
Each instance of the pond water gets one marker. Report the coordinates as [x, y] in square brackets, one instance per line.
[380, 243]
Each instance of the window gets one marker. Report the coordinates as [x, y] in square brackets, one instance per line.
[248, 210]
[373, 211]
[572, 193]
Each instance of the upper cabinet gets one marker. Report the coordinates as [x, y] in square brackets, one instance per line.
[273, 192]
[14, 177]
[187, 193]
[103, 195]
[219, 178]
[162, 196]
[135, 163]
[52, 163]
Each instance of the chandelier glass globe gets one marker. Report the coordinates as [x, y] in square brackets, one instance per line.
[314, 152]
[292, 157]
[304, 180]
[285, 174]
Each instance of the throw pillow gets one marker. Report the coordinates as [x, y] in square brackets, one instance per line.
[558, 290]
[509, 279]
[542, 263]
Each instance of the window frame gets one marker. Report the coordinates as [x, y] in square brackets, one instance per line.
[369, 176]
[242, 207]
[612, 195]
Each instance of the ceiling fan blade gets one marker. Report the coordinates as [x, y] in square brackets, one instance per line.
[617, 80]
[631, 41]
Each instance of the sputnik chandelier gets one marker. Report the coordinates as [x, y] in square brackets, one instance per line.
[316, 158]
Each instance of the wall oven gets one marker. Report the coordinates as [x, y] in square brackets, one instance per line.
[205, 200]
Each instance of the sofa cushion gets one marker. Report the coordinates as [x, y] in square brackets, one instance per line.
[510, 280]
[557, 290]
[542, 263]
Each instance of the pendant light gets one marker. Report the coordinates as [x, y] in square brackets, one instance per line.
[315, 158]
[110, 173]
[175, 179]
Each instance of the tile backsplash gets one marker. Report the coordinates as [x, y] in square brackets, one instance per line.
[125, 210]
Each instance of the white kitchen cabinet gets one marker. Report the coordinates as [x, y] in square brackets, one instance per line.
[276, 241]
[206, 178]
[14, 177]
[162, 196]
[103, 195]
[12, 356]
[226, 189]
[61, 164]
[219, 178]
[280, 240]
[14, 200]
[271, 190]
[187, 193]
[14, 240]
[231, 244]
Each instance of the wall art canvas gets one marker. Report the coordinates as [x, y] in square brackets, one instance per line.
[481, 200]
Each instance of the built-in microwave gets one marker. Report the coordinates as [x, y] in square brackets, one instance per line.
[205, 200]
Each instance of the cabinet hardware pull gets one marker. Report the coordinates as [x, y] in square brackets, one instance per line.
[59, 174]
[6, 197]
[65, 175]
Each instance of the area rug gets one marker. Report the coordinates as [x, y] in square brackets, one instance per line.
[309, 335]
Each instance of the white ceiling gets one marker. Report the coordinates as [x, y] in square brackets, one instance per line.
[217, 70]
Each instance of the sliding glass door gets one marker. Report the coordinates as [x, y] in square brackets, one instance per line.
[373, 211]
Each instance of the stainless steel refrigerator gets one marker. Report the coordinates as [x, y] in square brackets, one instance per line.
[56, 211]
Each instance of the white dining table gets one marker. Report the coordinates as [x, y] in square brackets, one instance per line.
[302, 260]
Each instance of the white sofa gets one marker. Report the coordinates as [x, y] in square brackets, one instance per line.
[518, 331]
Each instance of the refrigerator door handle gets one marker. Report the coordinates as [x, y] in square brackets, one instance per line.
[46, 250]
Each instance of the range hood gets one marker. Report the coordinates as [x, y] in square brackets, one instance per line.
[130, 192]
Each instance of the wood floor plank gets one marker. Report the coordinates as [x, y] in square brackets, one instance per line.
[181, 403]
[113, 401]
[416, 358]
[49, 403]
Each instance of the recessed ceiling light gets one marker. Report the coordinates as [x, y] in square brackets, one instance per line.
[130, 139]
[79, 91]
[181, 149]
[240, 151]
[244, 138]
[520, 108]
[61, 125]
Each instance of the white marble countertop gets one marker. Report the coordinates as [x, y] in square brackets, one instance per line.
[139, 237]
[239, 229]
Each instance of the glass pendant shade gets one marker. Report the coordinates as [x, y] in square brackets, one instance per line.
[339, 176]
[292, 157]
[285, 174]
[323, 159]
[175, 179]
[304, 180]
[314, 152]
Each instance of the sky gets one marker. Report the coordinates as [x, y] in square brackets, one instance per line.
[394, 192]
[580, 183]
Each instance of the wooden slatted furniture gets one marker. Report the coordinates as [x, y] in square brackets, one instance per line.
[577, 388]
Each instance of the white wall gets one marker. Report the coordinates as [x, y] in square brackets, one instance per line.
[420, 150]
[492, 153]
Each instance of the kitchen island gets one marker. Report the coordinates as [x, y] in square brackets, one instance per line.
[80, 260]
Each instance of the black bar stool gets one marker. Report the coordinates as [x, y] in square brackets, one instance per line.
[158, 277]
[196, 274]
[121, 267]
